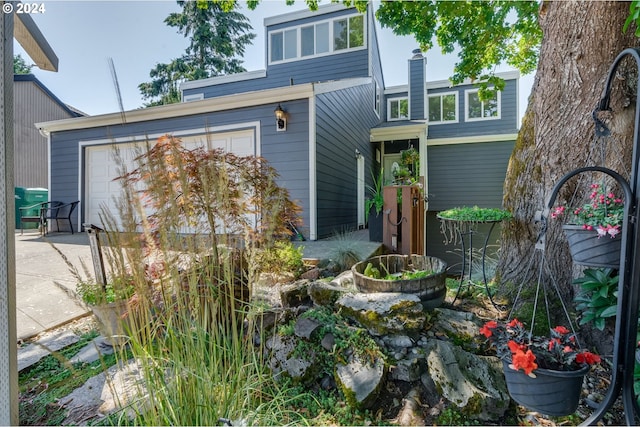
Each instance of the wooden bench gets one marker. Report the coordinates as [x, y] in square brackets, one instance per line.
[53, 210]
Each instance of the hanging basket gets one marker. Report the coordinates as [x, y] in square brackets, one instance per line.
[590, 250]
[554, 393]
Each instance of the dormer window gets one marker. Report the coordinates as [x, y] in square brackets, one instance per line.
[322, 38]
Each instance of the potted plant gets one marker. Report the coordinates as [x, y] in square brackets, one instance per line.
[373, 207]
[110, 305]
[410, 158]
[543, 374]
[593, 229]
[454, 220]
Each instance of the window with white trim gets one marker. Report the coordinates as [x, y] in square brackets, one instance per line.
[443, 108]
[322, 38]
[397, 109]
[476, 109]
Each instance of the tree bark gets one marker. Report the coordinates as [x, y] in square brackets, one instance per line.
[580, 41]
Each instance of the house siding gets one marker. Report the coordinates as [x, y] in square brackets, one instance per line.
[340, 130]
[464, 175]
[287, 151]
[32, 105]
[507, 124]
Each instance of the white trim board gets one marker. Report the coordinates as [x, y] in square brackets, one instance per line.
[472, 139]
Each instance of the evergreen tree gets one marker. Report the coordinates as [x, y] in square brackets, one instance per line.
[218, 41]
[20, 65]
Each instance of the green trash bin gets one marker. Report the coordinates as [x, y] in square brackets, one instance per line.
[28, 197]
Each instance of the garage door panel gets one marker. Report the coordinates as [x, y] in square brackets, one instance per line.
[101, 167]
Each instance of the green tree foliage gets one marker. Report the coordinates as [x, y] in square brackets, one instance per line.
[20, 65]
[485, 34]
[218, 34]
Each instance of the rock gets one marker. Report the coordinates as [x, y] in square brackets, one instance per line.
[97, 348]
[271, 279]
[328, 341]
[305, 327]
[411, 412]
[324, 293]
[409, 368]
[295, 294]
[105, 393]
[34, 352]
[384, 313]
[398, 341]
[311, 274]
[361, 381]
[345, 281]
[475, 384]
[282, 361]
[459, 323]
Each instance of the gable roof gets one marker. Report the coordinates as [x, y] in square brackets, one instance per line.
[73, 112]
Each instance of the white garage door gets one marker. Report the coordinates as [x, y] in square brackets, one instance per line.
[101, 167]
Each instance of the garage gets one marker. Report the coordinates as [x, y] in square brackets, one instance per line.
[101, 167]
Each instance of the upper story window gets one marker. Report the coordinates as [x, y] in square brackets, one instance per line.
[397, 109]
[481, 110]
[321, 38]
[443, 108]
[377, 96]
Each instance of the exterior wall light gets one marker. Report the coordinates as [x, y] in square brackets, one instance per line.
[281, 119]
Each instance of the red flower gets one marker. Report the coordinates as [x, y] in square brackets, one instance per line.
[514, 323]
[524, 361]
[515, 347]
[561, 330]
[587, 357]
[486, 330]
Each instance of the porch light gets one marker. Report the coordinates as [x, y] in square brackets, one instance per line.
[281, 119]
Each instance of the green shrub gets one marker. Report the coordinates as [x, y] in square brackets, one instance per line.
[282, 257]
[598, 299]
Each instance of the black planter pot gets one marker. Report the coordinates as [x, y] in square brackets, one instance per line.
[590, 250]
[375, 225]
[555, 393]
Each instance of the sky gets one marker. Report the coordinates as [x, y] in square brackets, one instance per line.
[84, 34]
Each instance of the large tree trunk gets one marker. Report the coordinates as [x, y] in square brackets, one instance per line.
[580, 41]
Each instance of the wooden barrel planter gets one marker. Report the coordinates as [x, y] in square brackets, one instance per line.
[431, 289]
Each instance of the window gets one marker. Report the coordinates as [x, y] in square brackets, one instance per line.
[443, 108]
[482, 110]
[398, 109]
[322, 38]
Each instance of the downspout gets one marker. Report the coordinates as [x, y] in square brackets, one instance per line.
[313, 209]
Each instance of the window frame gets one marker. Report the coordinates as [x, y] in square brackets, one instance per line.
[482, 103]
[397, 99]
[440, 95]
[377, 98]
[331, 51]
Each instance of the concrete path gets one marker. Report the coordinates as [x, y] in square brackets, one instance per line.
[44, 283]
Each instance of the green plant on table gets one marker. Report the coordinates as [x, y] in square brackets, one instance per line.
[475, 214]
[598, 298]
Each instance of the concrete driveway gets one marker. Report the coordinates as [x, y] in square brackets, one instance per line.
[44, 282]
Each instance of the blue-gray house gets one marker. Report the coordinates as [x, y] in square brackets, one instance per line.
[336, 121]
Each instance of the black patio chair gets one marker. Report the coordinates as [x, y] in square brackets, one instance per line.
[59, 211]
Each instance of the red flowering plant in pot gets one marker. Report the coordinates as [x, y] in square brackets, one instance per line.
[559, 351]
[544, 374]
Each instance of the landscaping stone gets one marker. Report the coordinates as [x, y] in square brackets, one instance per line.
[282, 362]
[361, 381]
[305, 327]
[311, 274]
[345, 281]
[459, 323]
[47, 344]
[325, 293]
[105, 393]
[384, 313]
[409, 368]
[475, 384]
[97, 348]
[295, 294]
